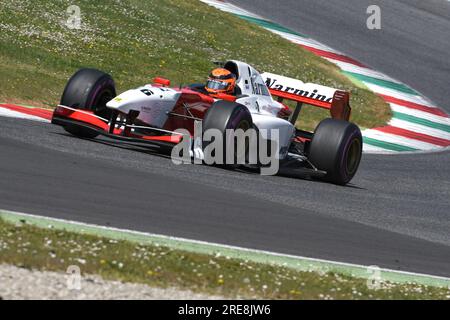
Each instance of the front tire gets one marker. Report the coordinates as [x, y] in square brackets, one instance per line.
[336, 148]
[222, 116]
[88, 89]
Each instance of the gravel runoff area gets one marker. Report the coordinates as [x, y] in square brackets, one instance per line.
[19, 283]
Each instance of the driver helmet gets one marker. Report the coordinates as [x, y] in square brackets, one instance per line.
[221, 81]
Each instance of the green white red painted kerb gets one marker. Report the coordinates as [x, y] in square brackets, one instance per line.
[416, 125]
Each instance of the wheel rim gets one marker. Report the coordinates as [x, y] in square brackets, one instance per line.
[353, 156]
[100, 103]
[243, 125]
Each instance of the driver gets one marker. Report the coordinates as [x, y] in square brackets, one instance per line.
[221, 81]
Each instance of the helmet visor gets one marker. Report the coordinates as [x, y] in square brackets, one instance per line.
[217, 84]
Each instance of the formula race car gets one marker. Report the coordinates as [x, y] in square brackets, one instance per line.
[235, 97]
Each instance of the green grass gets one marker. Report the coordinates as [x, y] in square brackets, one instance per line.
[50, 249]
[135, 40]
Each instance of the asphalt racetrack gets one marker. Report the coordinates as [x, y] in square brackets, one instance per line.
[395, 214]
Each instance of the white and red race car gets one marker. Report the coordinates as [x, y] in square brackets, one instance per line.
[152, 115]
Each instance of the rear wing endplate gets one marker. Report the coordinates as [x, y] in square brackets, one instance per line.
[337, 101]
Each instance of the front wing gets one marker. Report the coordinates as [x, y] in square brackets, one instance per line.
[66, 116]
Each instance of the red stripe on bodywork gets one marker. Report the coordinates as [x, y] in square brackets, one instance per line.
[37, 112]
[414, 135]
[172, 139]
[415, 106]
[332, 55]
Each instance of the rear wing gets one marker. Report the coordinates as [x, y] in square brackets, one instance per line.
[338, 102]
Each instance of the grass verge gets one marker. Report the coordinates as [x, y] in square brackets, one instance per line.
[135, 40]
[28, 246]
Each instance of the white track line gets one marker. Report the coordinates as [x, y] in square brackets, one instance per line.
[230, 8]
[304, 41]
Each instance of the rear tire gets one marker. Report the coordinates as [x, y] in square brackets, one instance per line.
[88, 89]
[224, 115]
[336, 148]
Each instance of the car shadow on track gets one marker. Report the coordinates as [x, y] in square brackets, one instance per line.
[165, 153]
[147, 149]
